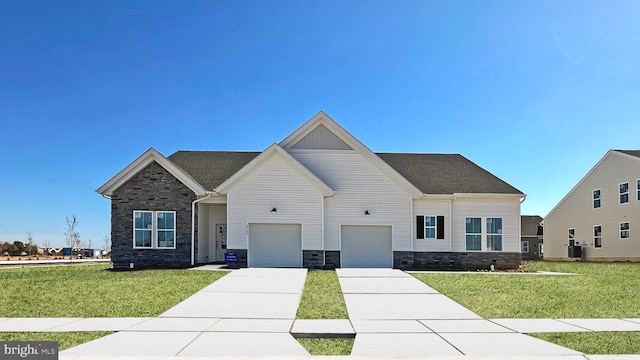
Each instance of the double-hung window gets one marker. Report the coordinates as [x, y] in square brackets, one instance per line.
[572, 236]
[624, 193]
[142, 229]
[525, 247]
[624, 230]
[597, 202]
[474, 234]
[154, 229]
[597, 236]
[430, 227]
[494, 234]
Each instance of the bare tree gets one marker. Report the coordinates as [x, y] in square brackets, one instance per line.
[106, 247]
[29, 242]
[72, 237]
[46, 243]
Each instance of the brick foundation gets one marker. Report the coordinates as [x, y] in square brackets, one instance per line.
[407, 260]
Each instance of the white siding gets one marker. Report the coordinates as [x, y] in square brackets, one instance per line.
[203, 233]
[432, 208]
[321, 138]
[509, 211]
[274, 183]
[576, 211]
[359, 186]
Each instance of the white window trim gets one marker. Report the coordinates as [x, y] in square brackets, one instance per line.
[154, 230]
[481, 233]
[594, 237]
[490, 234]
[628, 230]
[435, 227]
[622, 193]
[525, 244]
[540, 249]
[593, 193]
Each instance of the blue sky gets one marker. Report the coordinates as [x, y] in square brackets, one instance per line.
[534, 91]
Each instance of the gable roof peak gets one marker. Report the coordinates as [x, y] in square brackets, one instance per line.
[140, 163]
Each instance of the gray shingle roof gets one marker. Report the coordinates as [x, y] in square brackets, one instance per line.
[446, 174]
[529, 225]
[431, 173]
[630, 152]
[211, 168]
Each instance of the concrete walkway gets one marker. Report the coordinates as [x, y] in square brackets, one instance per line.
[251, 312]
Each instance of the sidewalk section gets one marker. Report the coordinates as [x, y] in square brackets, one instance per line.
[249, 312]
[395, 314]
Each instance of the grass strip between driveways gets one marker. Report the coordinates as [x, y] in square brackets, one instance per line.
[592, 343]
[65, 339]
[322, 297]
[94, 291]
[316, 346]
[603, 290]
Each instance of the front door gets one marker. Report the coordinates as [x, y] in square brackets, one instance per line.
[221, 241]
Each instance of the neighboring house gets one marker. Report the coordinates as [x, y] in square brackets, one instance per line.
[531, 237]
[601, 214]
[317, 199]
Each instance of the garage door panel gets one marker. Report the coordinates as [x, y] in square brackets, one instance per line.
[366, 246]
[275, 245]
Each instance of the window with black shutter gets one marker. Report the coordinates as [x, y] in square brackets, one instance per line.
[440, 227]
[419, 227]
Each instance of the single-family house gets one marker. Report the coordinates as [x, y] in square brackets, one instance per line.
[317, 199]
[598, 220]
[531, 237]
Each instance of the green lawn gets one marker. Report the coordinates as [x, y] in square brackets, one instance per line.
[596, 342]
[603, 290]
[322, 297]
[94, 291]
[327, 347]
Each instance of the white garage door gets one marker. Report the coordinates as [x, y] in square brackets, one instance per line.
[366, 246]
[275, 245]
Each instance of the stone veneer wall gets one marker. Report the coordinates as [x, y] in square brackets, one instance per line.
[408, 260]
[154, 189]
[320, 259]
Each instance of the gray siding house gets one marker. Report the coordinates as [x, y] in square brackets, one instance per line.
[600, 215]
[531, 237]
[317, 199]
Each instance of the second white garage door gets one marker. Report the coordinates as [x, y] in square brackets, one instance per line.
[366, 246]
[275, 245]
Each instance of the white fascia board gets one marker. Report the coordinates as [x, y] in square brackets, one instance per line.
[609, 153]
[293, 163]
[140, 163]
[438, 196]
[489, 196]
[322, 118]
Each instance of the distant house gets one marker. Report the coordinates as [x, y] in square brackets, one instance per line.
[317, 199]
[599, 219]
[531, 237]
